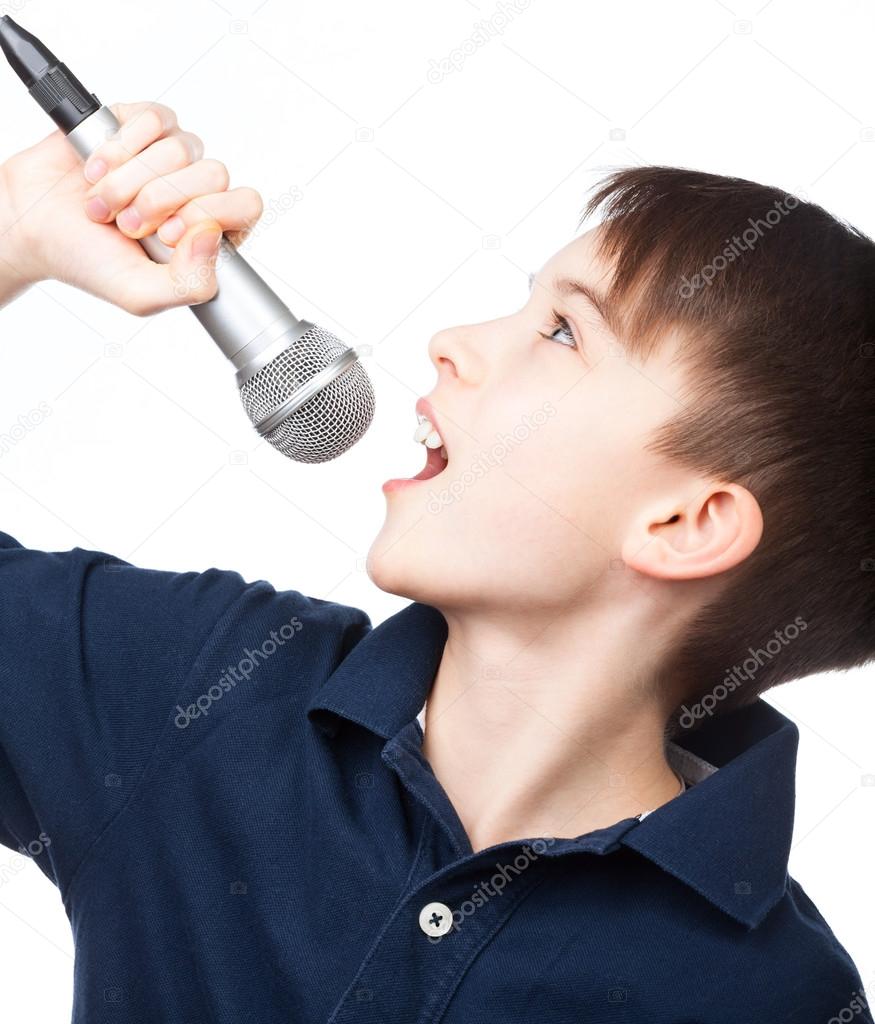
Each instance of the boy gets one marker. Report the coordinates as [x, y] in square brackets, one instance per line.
[230, 785]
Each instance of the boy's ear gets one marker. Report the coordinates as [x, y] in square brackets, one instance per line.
[711, 533]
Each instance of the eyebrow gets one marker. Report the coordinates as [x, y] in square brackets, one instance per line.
[569, 286]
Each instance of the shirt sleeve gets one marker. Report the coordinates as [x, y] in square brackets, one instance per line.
[823, 983]
[93, 654]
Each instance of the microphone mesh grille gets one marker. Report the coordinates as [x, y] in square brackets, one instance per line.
[332, 420]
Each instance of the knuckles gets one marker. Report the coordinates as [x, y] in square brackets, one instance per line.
[196, 146]
[153, 123]
[218, 173]
[139, 306]
[256, 203]
[148, 202]
[178, 149]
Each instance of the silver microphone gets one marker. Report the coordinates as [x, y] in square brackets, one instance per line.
[304, 390]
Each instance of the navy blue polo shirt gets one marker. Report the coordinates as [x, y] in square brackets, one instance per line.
[226, 784]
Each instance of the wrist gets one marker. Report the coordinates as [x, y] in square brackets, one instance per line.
[17, 267]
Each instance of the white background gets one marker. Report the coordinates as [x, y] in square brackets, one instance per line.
[422, 204]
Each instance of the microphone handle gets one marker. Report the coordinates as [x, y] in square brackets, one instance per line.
[246, 318]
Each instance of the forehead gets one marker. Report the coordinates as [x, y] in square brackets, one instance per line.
[579, 259]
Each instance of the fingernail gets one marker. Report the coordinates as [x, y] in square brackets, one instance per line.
[95, 170]
[172, 229]
[97, 208]
[206, 243]
[129, 219]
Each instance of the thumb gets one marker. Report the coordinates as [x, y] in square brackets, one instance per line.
[192, 267]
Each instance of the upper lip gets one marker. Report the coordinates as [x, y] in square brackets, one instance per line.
[424, 408]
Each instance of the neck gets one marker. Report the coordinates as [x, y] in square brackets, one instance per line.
[546, 728]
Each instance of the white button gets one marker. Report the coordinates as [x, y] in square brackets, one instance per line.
[435, 919]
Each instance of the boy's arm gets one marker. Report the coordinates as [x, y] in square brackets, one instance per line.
[94, 652]
[94, 655]
[13, 281]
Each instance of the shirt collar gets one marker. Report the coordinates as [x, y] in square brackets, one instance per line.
[384, 680]
[728, 837]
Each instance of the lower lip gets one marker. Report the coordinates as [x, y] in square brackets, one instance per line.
[399, 483]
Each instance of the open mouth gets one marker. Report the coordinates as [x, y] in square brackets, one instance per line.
[427, 434]
[435, 463]
[436, 458]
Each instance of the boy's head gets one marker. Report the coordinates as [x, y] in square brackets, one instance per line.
[696, 478]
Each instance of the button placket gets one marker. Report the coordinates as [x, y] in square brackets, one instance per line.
[436, 944]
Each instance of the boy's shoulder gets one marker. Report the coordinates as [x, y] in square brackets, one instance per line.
[45, 578]
[728, 839]
[799, 971]
[148, 630]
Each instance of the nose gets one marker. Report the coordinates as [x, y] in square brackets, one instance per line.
[452, 351]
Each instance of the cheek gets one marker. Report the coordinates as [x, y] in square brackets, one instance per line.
[537, 516]
[566, 486]
[558, 461]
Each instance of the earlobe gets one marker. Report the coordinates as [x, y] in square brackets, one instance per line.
[715, 531]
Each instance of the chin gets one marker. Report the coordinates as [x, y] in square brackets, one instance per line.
[386, 569]
[400, 567]
[394, 572]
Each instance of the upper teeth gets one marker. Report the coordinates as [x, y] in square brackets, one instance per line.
[426, 434]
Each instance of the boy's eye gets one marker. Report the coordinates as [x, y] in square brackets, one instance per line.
[560, 326]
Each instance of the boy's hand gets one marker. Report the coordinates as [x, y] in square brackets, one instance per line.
[61, 231]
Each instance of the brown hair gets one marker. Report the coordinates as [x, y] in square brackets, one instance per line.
[774, 300]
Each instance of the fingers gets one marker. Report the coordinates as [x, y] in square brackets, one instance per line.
[141, 125]
[188, 279]
[237, 210]
[150, 176]
[159, 198]
[119, 189]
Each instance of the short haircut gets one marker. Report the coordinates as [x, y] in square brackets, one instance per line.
[773, 299]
